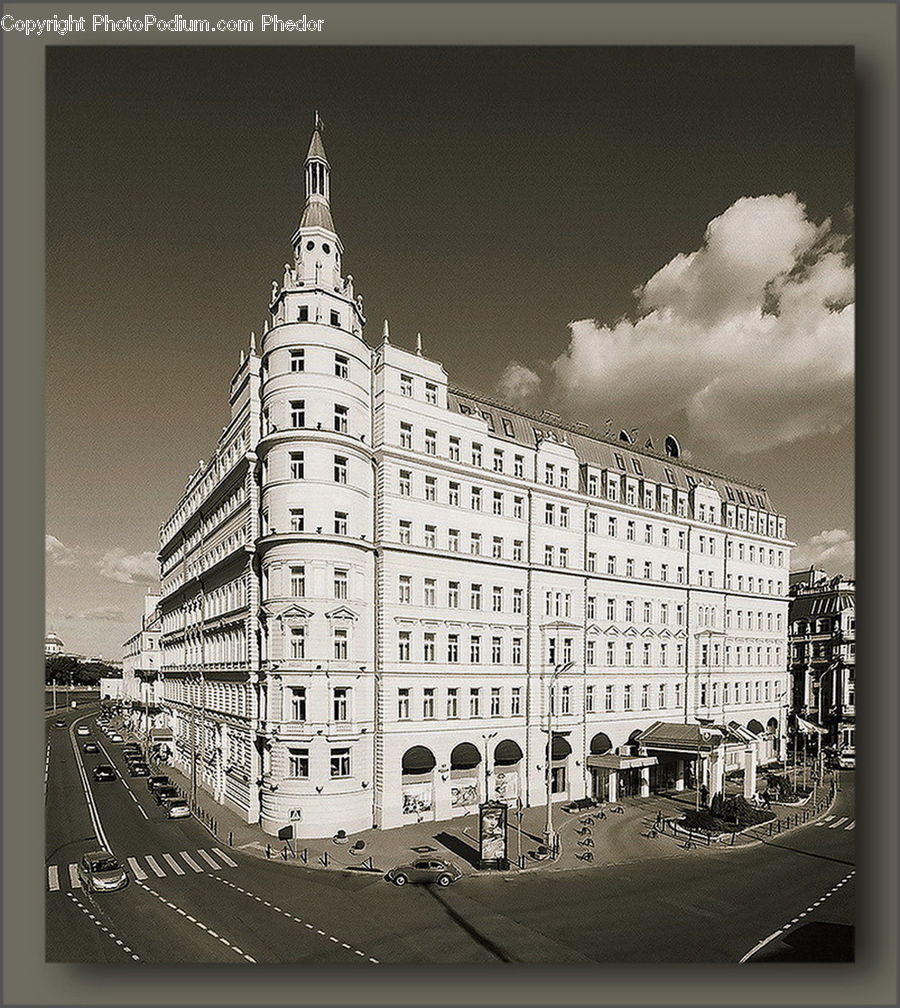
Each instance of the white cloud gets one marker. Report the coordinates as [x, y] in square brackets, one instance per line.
[119, 566]
[832, 549]
[517, 383]
[58, 553]
[750, 336]
[100, 614]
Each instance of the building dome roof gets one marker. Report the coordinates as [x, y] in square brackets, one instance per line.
[53, 638]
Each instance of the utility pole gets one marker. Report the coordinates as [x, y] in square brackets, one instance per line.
[549, 833]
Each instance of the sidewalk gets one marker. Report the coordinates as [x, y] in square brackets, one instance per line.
[619, 838]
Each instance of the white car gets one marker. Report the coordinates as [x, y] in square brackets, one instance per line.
[82, 730]
[846, 759]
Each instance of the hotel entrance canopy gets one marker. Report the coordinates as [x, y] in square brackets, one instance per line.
[691, 738]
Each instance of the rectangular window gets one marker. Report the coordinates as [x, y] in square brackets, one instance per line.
[663, 654]
[475, 650]
[497, 548]
[406, 385]
[298, 413]
[340, 469]
[340, 762]
[430, 536]
[431, 393]
[404, 645]
[453, 494]
[340, 644]
[428, 649]
[549, 514]
[496, 699]
[629, 568]
[608, 698]
[454, 449]
[498, 460]
[610, 653]
[626, 697]
[563, 517]
[340, 522]
[296, 519]
[298, 360]
[340, 703]
[518, 549]
[476, 498]
[298, 642]
[403, 703]
[428, 702]
[430, 442]
[298, 582]
[590, 656]
[405, 483]
[497, 599]
[429, 597]
[515, 701]
[517, 651]
[340, 583]
[341, 366]
[406, 435]
[476, 455]
[297, 467]
[452, 647]
[405, 531]
[563, 556]
[404, 596]
[518, 466]
[341, 418]
[453, 595]
[592, 521]
[629, 653]
[334, 318]
[453, 702]
[430, 488]
[474, 702]
[629, 611]
[475, 543]
[298, 762]
[591, 561]
[298, 703]
[646, 654]
[496, 650]
[648, 570]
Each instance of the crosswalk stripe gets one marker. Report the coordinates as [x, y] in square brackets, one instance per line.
[53, 878]
[175, 866]
[225, 857]
[822, 822]
[838, 822]
[190, 861]
[208, 859]
[157, 871]
[139, 872]
[851, 825]
[73, 876]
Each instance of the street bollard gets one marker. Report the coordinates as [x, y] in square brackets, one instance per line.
[230, 838]
[324, 859]
[304, 855]
[268, 850]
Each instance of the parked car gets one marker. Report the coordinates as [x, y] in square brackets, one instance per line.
[426, 870]
[139, 770]
[176, 808]
[154, 783]
[82, 730]
[116, 737]
[99, 871]
[161, 793]
[104, 772]
[846, 759]
[91, 747]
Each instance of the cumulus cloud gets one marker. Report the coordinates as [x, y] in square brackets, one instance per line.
[832, 549]
[58, 553]
[750, 337]
[518, 383]
[101, 614]
[117, 565]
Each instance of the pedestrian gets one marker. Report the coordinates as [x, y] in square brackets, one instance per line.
[704, 795]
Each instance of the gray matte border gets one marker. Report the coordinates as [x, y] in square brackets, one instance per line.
[871, 28]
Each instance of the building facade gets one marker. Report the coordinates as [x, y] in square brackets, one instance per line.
[823, 653]
[384, 598]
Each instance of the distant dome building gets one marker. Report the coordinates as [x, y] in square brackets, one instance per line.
[53, 644]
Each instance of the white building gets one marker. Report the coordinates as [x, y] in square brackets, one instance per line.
[368, 588]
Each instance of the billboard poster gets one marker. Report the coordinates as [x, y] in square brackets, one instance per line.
[492, 832]
[464, 791]
[506, 786]
[416, 798]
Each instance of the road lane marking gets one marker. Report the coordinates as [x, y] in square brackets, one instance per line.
[139, 872]
[173, 864]
[197, 923]
[73, 876]
[209, 860]
[835, 825]
[53, 878]
[288, 914]
[191, 863]
[851, 826]
[88, 794]
[786, 927]
[104, 928]
[154, 867]
[827, 819]
[225, 857]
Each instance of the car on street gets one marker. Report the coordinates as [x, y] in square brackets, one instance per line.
[91, 747]
[99, 871]
[157, 782]
[161, 793]
[82, 730]
[139, 770]
[425, 870]
[176, 808]
[60, 724]
[104, 772]
[846, 759]
[116, 737]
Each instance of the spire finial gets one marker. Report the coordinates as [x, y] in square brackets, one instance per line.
[419, 344]
[386, 332]
[320, 126]
[252, 342]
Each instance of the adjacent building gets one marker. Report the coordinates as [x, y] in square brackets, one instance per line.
[383, 594]
[823, 653]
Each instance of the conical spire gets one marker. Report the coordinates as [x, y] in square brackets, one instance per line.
[317, 176]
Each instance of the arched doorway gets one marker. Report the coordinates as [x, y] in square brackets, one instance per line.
[507, 764]
[417, 782]
[560, 750]
[600, 745]
[464, 787]
[771, 739]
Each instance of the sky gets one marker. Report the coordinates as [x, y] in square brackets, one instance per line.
[660, 237]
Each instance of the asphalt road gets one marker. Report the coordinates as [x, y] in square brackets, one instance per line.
[192, 900]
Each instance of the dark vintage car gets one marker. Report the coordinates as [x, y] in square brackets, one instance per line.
[104, 772]
[138, 770]
[425, 870]
[161, 793]
[154, 783]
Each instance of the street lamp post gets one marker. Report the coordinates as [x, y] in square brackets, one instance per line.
[703, 723]
[486, 737]
[549, 833]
